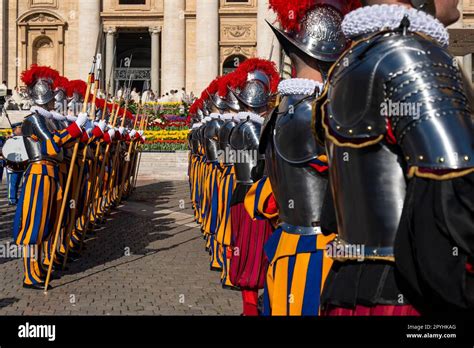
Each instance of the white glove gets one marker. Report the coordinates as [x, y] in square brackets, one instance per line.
[82, 118]
[132, 133]
[121, 131]
[111, 133]
[71, 118]
[102, 125]
[141, 133]
[89, 125]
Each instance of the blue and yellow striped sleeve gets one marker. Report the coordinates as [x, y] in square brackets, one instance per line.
[256, 199]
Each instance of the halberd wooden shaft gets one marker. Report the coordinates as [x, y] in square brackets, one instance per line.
[81, 179]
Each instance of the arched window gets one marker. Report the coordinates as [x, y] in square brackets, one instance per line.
[43, 51]
[232, 63]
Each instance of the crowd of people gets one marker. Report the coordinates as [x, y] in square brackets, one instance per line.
[315, 191]
[72, 160]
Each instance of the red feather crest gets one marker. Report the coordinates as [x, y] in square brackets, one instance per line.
[240, 76]
[224, 83]
[76, 86]
[291, 13]
[36, 72]
[61, 83]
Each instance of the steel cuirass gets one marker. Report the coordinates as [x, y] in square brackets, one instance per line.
[211, 133]
[298, 188]
[195, 141]
[224, 135]
[367, 168]
[42, 128]
[244, 142]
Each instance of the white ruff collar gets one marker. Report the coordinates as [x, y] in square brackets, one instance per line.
[228, 116]
[43, 112]
[299, 87]
[375, 18]
[206, 119]
[244, 116]
[215, 116]
[197, 125]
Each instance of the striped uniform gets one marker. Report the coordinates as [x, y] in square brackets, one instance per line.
[226, 187]
[40, 201]
[298, 266]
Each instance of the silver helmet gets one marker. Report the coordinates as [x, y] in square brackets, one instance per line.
[320, 35]
[232, 102]
[217, 101]
[206, 109]
[75, 103]
[256, 92]
[41, 92]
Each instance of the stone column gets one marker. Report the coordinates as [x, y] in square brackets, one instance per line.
[110, 55]
[174, 54]
[207, 42]
[265, 37]
[155, 59]
[89, 26]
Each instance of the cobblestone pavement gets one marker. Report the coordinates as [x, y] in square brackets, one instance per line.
[148, 259]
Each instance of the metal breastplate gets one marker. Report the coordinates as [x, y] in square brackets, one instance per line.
[369, 189]
[244, 141]
[211, 140]
[195, 142]
[292, 136]
[367, 173]
[41, 128]
[224, 145]
[299, 189]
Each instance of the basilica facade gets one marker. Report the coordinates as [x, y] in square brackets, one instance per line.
[170, 44]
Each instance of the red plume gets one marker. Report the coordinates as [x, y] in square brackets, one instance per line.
[198, 104]
[291, 13]
[224, 83]
[61, 83]
[36, 72]
[239, 78]
[129, 115]
[76, 86]
[214, 86]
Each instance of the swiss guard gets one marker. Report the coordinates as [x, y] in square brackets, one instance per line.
[398, 129]
[252, 87]
[41, 194]
[296, 164]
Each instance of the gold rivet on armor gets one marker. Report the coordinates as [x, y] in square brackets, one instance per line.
[369, 128]
[466, 158]
[338, 127]
[421, 158]
[331, 116]
[441, 160]
[351, 131]
[407, 158]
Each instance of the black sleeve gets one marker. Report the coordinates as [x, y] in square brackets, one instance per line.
[435, 241]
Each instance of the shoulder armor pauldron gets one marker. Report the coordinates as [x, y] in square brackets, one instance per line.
[245, 136]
